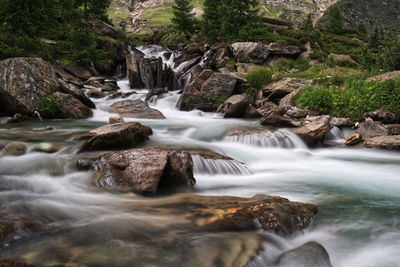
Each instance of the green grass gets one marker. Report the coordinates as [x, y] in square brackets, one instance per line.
[259, 78]
[158, 18]
[117, 17]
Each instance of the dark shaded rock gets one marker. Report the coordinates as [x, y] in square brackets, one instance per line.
[24, 82]
[14, 149]
[310, 254]
[235, 106]
[95, 93]
[225, 213]
[71, 107]
[394, 129]
[72, 89]
[315, 129]
[342, 122]
[5, 120]
[391, 142]
[382, 116]
[13, 263]
[67, 77]
[250, 52]
[371, 129]
[252, 113]
[283, 50]
[117, 136]
[84, 164]
[5, 229]
[277, 90]
[207, 91]
[277, 120]
[102, 28]
[80, 72]
[135, 109]
[121, 95]
[354, 140]
[144, 171]
[155, 92]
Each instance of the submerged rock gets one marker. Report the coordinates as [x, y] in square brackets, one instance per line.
[144, 171]
[310, 254]
[14, 149]
[117, 136]
[135, 109]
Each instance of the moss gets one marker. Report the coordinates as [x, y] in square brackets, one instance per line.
[50, 106]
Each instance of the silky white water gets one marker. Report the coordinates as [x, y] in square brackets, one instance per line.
[65, 219]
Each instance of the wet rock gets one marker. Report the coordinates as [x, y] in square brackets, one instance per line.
[117, 136]
[277, 90]
[24, 82]
[115, 120]
[394, 129]
[144, 171]
[382, 116]
[207, 91]
[342, 122]
[5, 120]
[298, 113]
[135, 109]
[77, 92]
[95, 93]
[225, 213]
[155, 92]
[14, 149]
[283, 50]
[278, 120]
[71, 107]
[84, 164]
[310, 254]
[5, 229]
[252, 113]
[80, 72]
[314, 130]
[121, 95]
[391, 142]
[371, 129]
[250, 52]
[354, 140]
[235, 106]
[46, 148]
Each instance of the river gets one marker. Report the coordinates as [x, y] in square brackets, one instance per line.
[64, 219]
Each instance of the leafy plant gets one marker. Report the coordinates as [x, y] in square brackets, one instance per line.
[259, 78]
[50, 106]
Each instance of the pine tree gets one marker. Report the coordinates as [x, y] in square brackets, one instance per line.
[335, 20]
[307, 25]
[183, 19]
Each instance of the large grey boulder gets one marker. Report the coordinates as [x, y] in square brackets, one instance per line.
[250, 52]
[135, 109]
[277, 90]
[314, 129]
[207, 91]
[371, 128]
[70, 107]
[391, 142]
[235, 106]
[24, 82]
[310, 254]
[283, 50]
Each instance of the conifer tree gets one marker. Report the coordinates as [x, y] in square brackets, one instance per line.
[307, 25]
[183, 19]
[335, 20]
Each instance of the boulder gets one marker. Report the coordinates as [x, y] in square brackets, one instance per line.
[207, 91]
[283, 50]
[235, 106]
[342, 58]
[277, 120]
[277, 90]
[144, 171]
[385, 76]
[102, 28]
[371, 129]
[71, 107]
[115, 120]
[154, 93]
[298, 113]
[226, 213]
[67, 77]
[245, 68]
[394, 129]
[382, 116]
[24, 82]
[354, 140]
[135, 109]
[72, 89]
[250, 52]
[252, 113]
[314, 130]
[310, 254]
[14, 149]
[342, 122]
[78, 71]
[117, 136]
[5, 120]
[391, 142]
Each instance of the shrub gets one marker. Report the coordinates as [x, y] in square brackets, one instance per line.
[49, 106]
[259, 78]
[284, 64]
[318, 99]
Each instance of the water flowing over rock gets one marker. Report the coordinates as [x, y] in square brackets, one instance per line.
[371, 129]
[250, 52]
[315, 129]
[135, 109]
[14, 149]
[207, 91]
[219, 166]
[24, 82]
[117, 136]
[310, 254]
[144, 171]
[391, 142]
[148, 73]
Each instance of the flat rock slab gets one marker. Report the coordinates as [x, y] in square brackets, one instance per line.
[117, 136]
[391, 142]
[135, 109]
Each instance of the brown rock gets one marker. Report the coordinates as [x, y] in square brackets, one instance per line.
[235, 106]
[80, 72]
[382, 116]
[14, 149]
[371, 129]
[250, 52]
[354, 140]
[391, 142]
[342, 122]
[315, 129]
[283, 50]
[278, 120]
[135, 109]
[342, 58]
[385, 76]
[72, 108]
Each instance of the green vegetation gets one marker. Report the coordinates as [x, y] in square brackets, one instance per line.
[183, 19]
[259, 78]
[334, 20]
[50, 106]
[285, 64]
[352, 99]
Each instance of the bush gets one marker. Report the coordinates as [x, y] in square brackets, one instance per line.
[318, 99]
[49, 106]
[259, 78]
[284, 64]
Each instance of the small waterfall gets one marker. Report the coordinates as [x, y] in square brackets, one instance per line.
[219, 166]
[280, 138]
[335, 135]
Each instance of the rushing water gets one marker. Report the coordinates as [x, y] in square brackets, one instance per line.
[63, 219]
